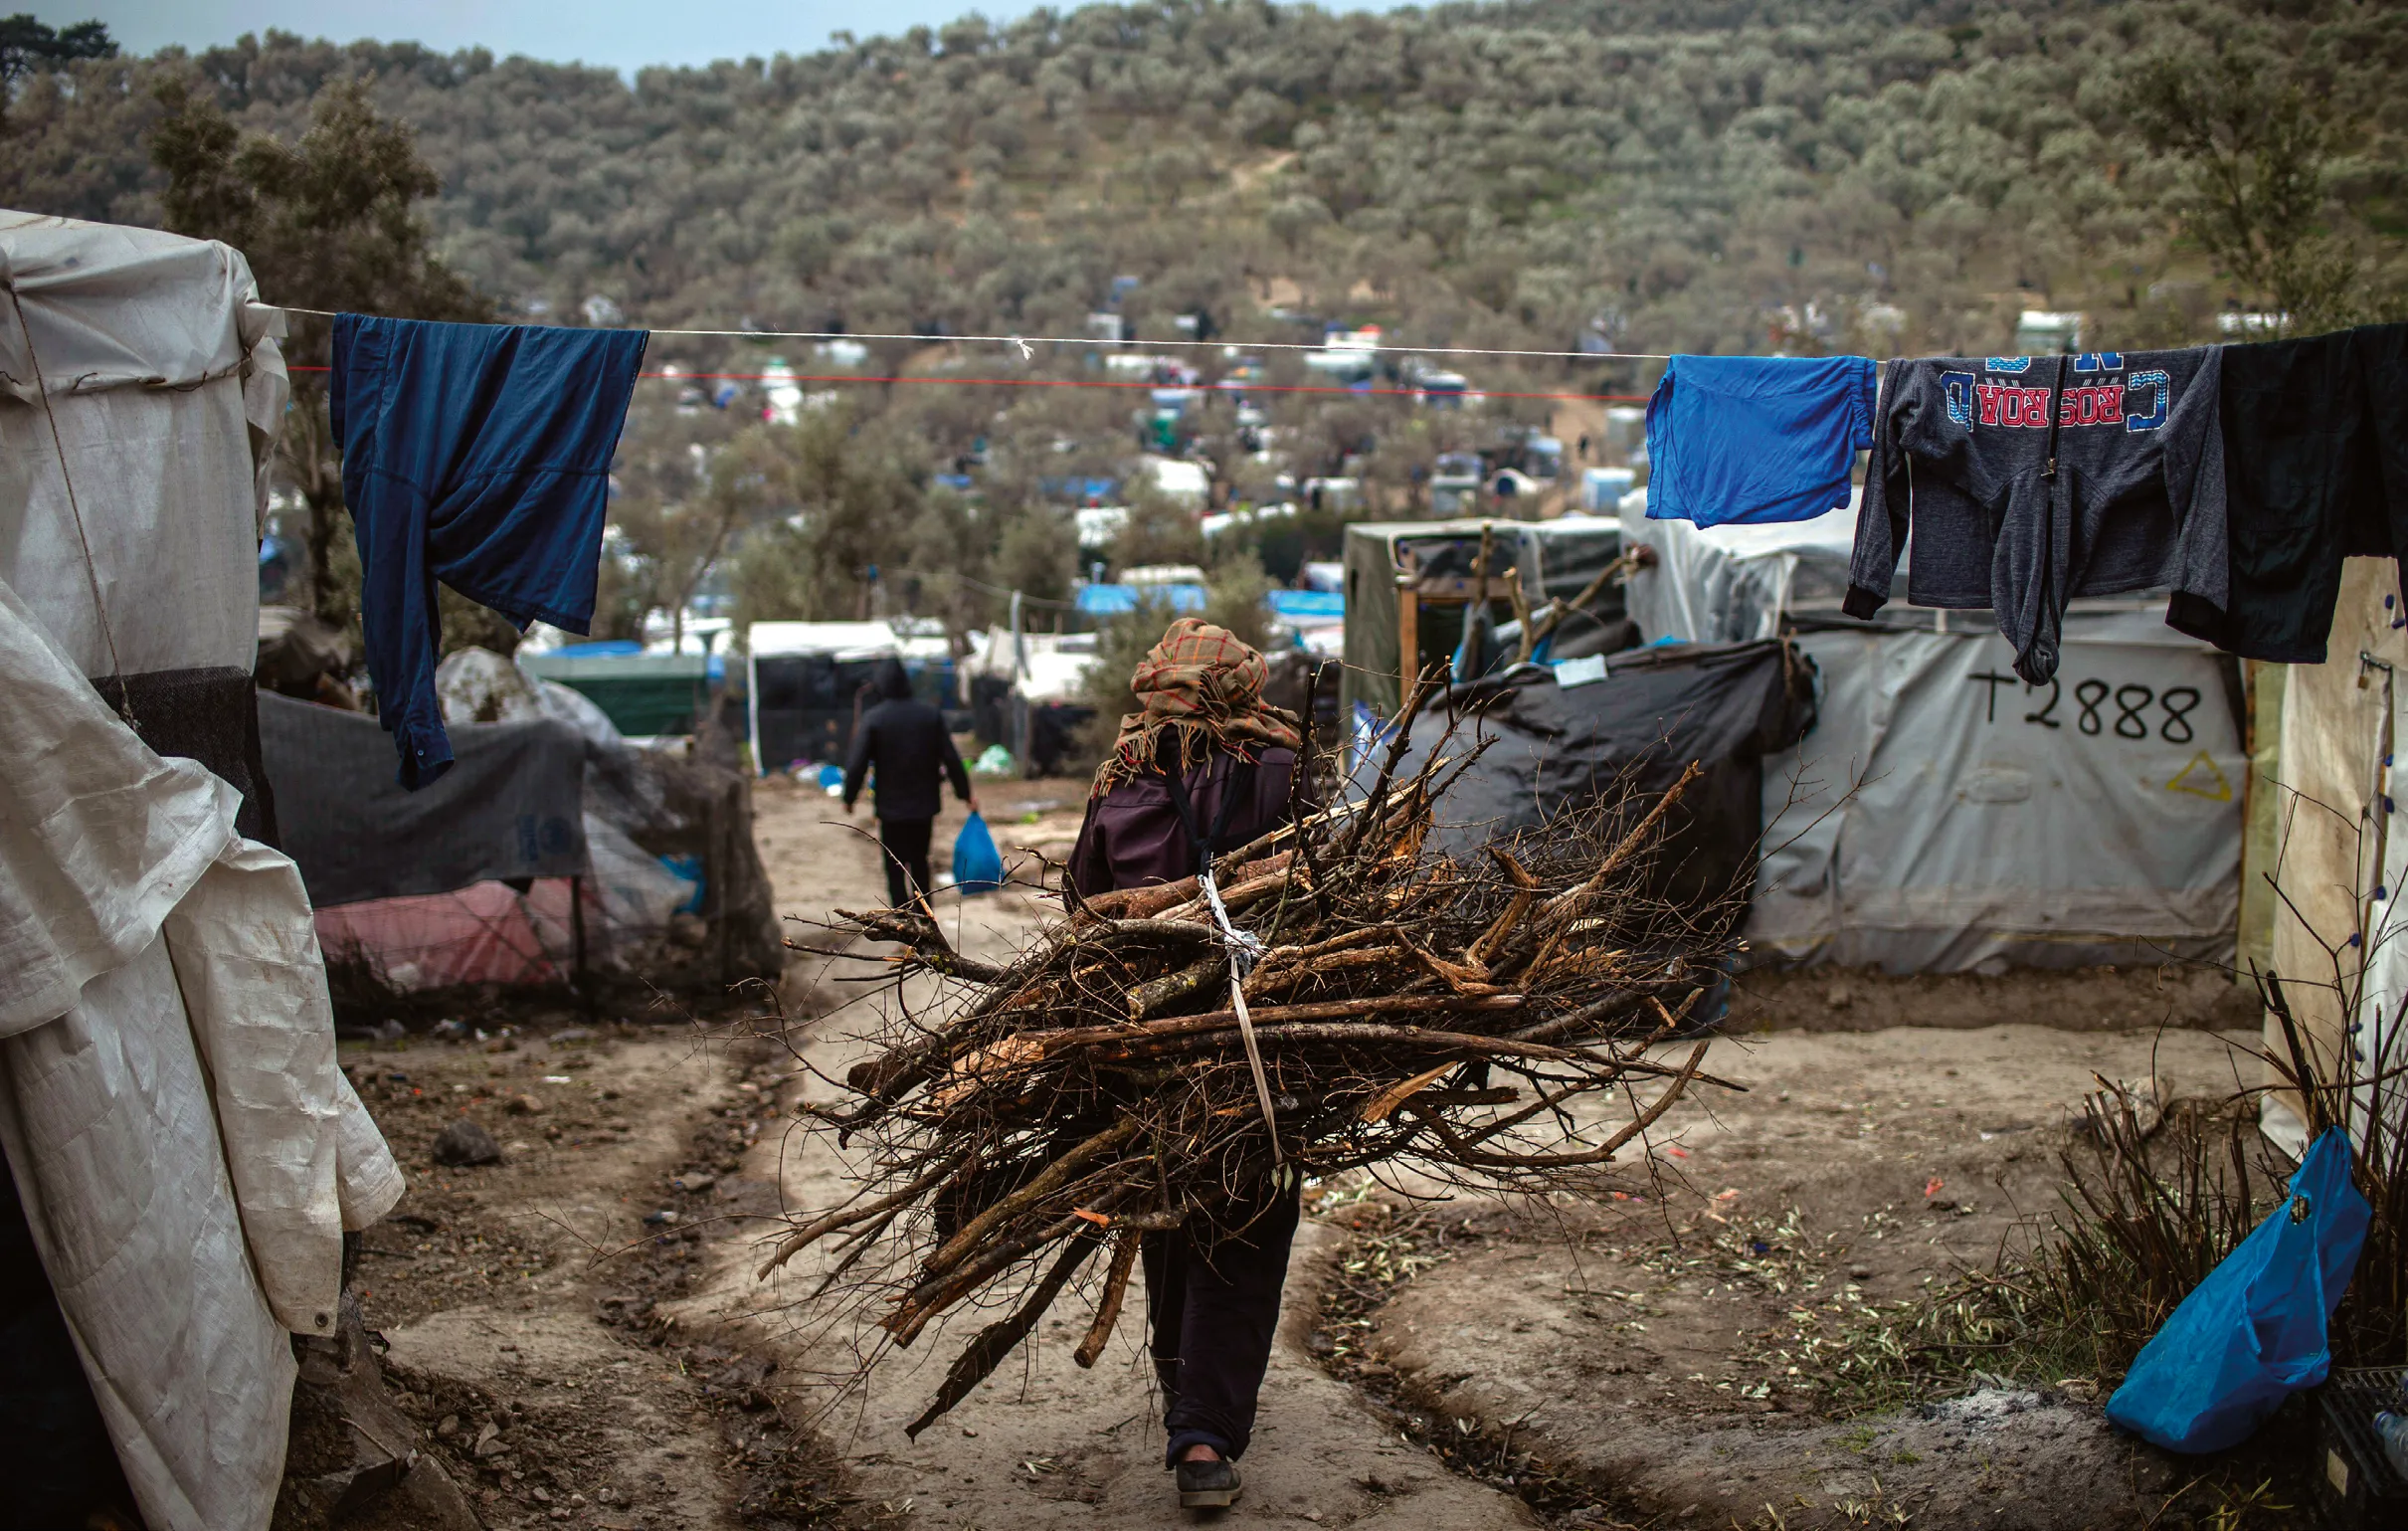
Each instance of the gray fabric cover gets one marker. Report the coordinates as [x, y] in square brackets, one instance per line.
[1723, 706]
[511, 807]
[1945, 817]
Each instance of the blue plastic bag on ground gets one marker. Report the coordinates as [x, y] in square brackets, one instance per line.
[978, 867]
[2254, 1331]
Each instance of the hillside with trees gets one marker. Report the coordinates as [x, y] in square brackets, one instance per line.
[1561, 175]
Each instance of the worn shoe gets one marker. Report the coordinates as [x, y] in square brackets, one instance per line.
[1207, 1485]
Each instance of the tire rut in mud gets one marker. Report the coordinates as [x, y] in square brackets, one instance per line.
[1383, 1248]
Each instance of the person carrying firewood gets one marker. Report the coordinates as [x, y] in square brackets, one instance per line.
[1205, 767]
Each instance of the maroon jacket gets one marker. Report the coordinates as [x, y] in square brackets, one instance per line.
[1133, 837]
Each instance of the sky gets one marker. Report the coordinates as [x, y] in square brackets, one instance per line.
[624, 35]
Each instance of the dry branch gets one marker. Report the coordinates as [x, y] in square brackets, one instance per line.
[1097, 1085]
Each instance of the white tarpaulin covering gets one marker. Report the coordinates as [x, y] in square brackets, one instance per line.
[187, 1152]
[186, 1149]
[2094, 819]
[164, 381]
[1727, 584]
[1043, 666]
[844, 641]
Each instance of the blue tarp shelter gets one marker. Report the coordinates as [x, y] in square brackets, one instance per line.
[1120, 600]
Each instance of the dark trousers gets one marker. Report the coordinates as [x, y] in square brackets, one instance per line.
[1215, 1302]
[906, 845]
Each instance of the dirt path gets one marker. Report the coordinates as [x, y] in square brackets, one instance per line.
[519, 1298]
[1683, 1348]
[580, 1331]
[1045, 1444]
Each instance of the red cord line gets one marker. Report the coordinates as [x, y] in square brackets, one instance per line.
[1062, 382]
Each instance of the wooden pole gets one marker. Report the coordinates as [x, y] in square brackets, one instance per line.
[578, 979]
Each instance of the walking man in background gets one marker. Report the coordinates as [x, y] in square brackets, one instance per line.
[1206, 763]
[903, 739]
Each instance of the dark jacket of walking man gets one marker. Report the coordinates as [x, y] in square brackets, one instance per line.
[904, 740]
[1213, 1291]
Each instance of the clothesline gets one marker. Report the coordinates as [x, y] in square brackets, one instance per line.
[1061, 382]
[1731, 438]
[1024, 341]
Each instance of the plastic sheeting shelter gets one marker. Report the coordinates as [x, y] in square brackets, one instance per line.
[1557, 747]
[560, 847]
[1306, 605]
[1120, 600]
[1313, 620]
[485, 933]
[2094, 819]
[1734, 584]
[1416, 577]
[800, 681]
[511, 806]
[1027, 694]
[187, 1153]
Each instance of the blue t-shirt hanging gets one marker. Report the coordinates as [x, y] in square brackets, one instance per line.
[1756, 438]
[478, 455]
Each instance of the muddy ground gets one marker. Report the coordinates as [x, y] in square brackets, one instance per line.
[579, 1331]
[1705, 1344]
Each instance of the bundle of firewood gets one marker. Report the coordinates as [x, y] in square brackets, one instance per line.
[1450, 1017]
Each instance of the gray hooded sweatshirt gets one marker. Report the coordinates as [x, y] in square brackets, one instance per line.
[2029, 480]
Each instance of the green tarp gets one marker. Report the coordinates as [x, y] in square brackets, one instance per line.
[644, 693]
[1554, 558]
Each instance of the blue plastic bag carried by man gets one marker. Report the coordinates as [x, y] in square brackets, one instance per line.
[2255, 1331]
[978, 867]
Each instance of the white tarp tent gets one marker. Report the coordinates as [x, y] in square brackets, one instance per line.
[2097, 819]
[1733, 584]
[1989, 823]
[167, 389]
[187, 1152]
[846, 641]
[1042, 667]
[781, 727]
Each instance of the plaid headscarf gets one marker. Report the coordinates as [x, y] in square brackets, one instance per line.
[1200, 687]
